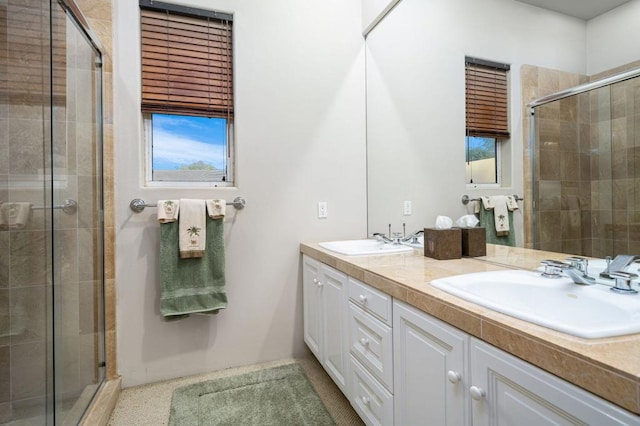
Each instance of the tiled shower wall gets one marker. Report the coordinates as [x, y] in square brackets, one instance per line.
[622, 225]
[584, 165]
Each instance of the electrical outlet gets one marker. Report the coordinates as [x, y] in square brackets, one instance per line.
[407, 208]
[322, 210]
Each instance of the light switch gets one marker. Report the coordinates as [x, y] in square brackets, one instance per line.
[407, 208]
[322, 210]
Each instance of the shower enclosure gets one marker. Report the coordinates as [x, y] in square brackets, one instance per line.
[51, 227]
[585, 145]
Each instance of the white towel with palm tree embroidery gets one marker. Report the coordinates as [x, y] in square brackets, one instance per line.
[192, 230]
[216, 208]
[512, 203]
[168, 210]
[501, 215]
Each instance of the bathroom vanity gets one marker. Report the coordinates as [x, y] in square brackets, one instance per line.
[405, 352]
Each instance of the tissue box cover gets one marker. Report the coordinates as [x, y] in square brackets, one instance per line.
[443, 244]
[474, 242]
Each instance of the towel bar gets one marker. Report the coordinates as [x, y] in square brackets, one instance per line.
[465, 199]
[138, 204]
[68, 206]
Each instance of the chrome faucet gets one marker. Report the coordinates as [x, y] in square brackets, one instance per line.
[619, 263]
[413, 238]
[576, 270]
[397, 237]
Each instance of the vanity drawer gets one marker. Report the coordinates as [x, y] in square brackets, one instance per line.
[373, 403]
[370, 299]
[371, 342]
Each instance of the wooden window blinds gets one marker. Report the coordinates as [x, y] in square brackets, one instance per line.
[487, 99]
[187, 61]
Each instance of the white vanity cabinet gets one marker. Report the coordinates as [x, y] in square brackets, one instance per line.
[400, 365]
[506, 391]
[444, 376]
[325, 318]
[371, 353]
[430, 369]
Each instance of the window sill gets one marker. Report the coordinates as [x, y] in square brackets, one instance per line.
[194, 185]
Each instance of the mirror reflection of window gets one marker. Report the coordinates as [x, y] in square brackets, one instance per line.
[481, 157]
[487, 119]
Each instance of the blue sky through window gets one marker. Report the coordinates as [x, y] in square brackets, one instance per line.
[180, 140]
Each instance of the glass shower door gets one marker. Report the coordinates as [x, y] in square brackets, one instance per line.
[26, 378]
[77, 225]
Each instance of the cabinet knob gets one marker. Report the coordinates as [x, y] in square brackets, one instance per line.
[363, 298]
[477, 393]
[453, 376]
[317, 282]
[365, 400]
[364, 342]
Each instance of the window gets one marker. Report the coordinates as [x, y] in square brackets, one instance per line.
[487, 119]
[187, 93]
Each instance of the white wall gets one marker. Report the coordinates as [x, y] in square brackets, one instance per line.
[612, 38]
[415, 97]
[300, 134]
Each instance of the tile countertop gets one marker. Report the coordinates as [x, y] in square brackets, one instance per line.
[607, 367]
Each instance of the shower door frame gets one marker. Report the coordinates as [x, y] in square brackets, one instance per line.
[74, 14]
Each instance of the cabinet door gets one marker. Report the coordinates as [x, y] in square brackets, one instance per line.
[509, 391]
[430, 370]
[312, 305]
[334, 351]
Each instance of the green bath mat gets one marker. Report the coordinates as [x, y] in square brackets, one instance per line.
[274, 396]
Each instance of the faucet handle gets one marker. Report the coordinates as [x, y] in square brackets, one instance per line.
[553, 268]
[623, 282]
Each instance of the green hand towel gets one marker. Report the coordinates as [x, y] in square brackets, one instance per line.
[487, 220]
[192, 285]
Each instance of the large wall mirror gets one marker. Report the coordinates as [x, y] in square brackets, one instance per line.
[582, 160]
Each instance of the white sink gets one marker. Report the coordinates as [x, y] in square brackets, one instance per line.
[583, 311]
[364, 247]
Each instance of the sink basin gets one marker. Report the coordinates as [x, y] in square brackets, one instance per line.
[364, 247]
[583, 311]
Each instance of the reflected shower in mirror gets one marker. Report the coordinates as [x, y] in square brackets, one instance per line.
[586, 144]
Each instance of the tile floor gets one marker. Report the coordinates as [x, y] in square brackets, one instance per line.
[150, 404]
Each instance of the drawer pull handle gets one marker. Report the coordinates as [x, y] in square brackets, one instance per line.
[363, 298]
[453, 376]
[364, 342]
[365, 400]
[477, 393]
